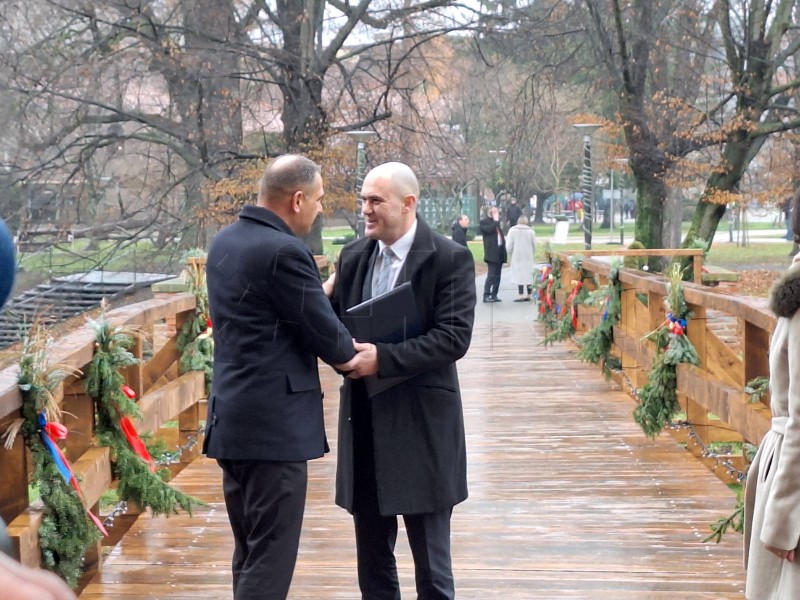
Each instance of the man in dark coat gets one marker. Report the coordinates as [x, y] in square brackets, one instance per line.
[460, 230]
[494, 253]
[513, 212]
[265, 420]
[402, 451]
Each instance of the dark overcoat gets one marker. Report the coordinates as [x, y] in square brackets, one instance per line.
[271, 320]
[417, 425]
[493, 252]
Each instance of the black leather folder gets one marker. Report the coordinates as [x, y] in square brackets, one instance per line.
[390, 318]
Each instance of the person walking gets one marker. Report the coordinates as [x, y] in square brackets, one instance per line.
[521, 244]
[494, 253]
[402, 452]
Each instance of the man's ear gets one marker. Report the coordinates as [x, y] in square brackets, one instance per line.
[410, 203]
[297, 200]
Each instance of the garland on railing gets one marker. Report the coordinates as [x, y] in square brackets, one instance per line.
[595, 344]
[659, 400]
[568, 323]
[195, 341]
[139, 479]
[549, 282]
[756, 388]
[67, 530]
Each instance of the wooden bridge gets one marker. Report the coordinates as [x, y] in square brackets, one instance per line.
[568, 498]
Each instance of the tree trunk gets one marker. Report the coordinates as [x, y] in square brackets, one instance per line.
[725, 178]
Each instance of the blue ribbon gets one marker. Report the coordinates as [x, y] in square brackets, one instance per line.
[65, 471]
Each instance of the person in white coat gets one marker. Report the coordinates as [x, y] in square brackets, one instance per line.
[772, 500]
[521, 245]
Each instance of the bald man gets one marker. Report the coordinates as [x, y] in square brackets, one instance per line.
[402, 451]
[271, 322]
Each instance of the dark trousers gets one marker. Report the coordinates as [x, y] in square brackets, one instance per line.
[521, 289]
[492, 284]
[265, 502]
[428, 534]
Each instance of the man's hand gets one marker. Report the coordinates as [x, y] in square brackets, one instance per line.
[328, 285]
[364, 363]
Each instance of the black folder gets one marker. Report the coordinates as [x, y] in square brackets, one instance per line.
[390, 318]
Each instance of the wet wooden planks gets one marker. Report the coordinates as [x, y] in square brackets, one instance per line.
[568, 499]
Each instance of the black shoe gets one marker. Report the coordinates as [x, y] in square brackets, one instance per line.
[496, 299]
[488, 299]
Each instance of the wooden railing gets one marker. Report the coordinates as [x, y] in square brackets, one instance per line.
[710, 394]
[163, 395]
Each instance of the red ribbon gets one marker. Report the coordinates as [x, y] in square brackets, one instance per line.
[58, 431]
[548, 296]
[571, 301]
[136, 442]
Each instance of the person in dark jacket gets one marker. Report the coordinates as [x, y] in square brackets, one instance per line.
[494, 253]
[403, 450]
[513, 212]
[265, 419]
[460, 230]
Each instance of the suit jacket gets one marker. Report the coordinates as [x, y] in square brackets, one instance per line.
[271, 320]
[492, 251]
[417, 425]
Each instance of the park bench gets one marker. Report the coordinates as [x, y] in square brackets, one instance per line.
[712, 275]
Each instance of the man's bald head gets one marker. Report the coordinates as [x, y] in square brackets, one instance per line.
[284, 176]
[404, 182]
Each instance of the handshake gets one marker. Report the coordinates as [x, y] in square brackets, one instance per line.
[364, 363]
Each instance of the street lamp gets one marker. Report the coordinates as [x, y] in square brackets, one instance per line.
[498, 162]
[588, 183]
[361, 138]
[619, 161]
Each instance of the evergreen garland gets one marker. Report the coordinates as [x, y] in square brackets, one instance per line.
[733, 521]
[66, 532]
[595, 344]
[138, 481]
[549, 283]
[565, 326]
[659, 400]
[194, 341]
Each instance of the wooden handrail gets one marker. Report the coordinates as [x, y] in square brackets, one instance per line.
[163, 395]
[711, 394]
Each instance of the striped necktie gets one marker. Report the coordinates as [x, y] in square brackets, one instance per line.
[382, 283]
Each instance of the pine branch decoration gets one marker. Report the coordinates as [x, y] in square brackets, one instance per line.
[66, 533]
[596, 344]
[549, 283]
[104, 383]
[659, 399]
[195, 341]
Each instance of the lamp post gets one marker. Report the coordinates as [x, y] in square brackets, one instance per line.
[619, 161]
[498, 162]
[588, 181]
[361, 138]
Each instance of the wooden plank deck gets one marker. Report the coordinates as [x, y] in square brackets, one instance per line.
[568, 499]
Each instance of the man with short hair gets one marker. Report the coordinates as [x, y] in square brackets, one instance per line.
[494, 253]
[460, 230]
[403, 451]
[265, 420]
[513, 212]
